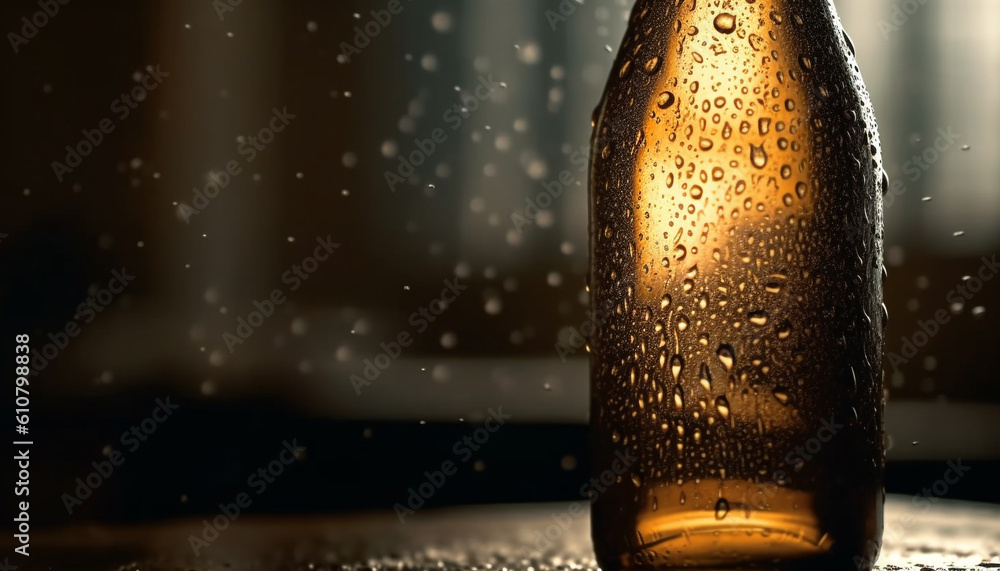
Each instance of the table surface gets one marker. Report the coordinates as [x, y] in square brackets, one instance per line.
[949, 535]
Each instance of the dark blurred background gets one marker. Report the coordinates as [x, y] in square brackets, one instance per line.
[503, 342]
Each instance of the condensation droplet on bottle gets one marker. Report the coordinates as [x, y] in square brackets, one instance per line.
[850, 44]
[696, 192]
[757, 156]
[800, 190]
[725, 23]
[758, 318]
[679, 397]
[721, 508]
[624, 69]
[705, 377]
[680, 252]
[637, 479]
[781, 394]
[652, 65]
[676, 367]
[665, 300]
[727, 357]
[722, 405]
[764, 124]
[784, 330]
[665, 99]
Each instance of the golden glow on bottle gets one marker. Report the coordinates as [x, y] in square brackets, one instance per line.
[736, 252]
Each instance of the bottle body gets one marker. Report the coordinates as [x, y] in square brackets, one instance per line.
[736, 266]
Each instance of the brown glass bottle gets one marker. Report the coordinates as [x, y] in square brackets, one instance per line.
[736, 266]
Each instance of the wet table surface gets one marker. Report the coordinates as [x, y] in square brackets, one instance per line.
[945, 535]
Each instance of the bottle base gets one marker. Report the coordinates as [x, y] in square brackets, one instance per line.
[709, 534]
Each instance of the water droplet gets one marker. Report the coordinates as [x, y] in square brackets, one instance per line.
[725, 23]
[850, 44]
[705, 377]
[781, 394]
[665, 99]
[665, 300]
[696, 191]
[652, 65]
[676, 367]
[758, 318]
[800, 190]
[764, 124]
[683, 498]
[705, 144]
[757, 156]
[721, 508]
[679, 397]
[624, 69]
[637, 479]
[784, 330]
[722, 405]
[680, 252]
[727, 357]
